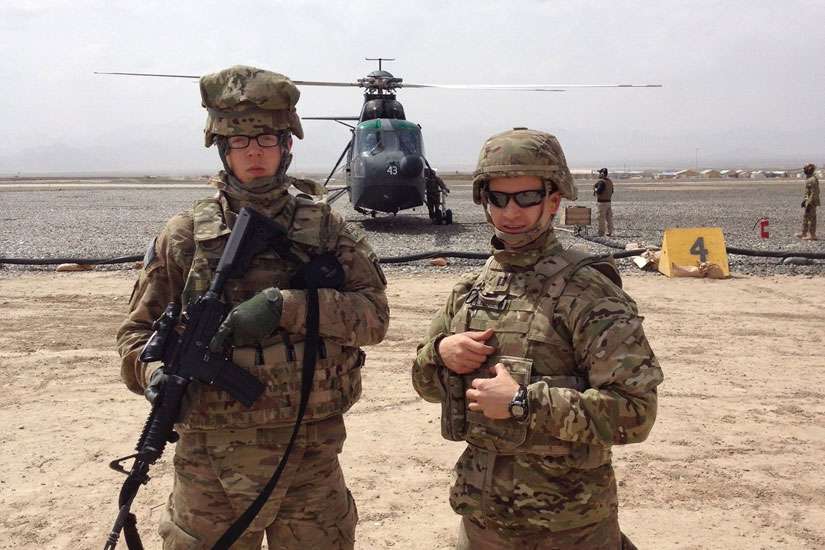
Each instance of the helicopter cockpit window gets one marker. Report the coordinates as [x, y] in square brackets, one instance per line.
[372, 142]
[409, 142]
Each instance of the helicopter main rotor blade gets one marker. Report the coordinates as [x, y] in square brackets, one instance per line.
[151, 74]
[330, 118]
[296, 82]
[524, 87]
[322, 83]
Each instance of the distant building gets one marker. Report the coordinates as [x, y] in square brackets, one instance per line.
[758, 175]
[728, 173]
[665, 176]
[687, 173]
[743, 173]
[711, 174]
[582, 174]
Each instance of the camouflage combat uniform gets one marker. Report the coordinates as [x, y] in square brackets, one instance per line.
[227, 452]
[604, 204]
[563, 327]
[811, 204]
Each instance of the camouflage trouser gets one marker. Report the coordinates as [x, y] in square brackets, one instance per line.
[218, 474]
[605, 217]
[809, 221]
[604, 535]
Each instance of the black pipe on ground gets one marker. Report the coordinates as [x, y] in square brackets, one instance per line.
[434, 254]
[731, 250]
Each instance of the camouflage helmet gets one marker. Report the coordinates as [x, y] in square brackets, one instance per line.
[247, 101]
[809, 168]
[523, 152]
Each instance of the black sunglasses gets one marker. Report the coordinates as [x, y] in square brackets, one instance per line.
[524, 199]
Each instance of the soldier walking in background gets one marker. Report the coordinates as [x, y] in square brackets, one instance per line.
[541, 366]
[603, 191]
[809, 203]
[435, 191]
[227, 452]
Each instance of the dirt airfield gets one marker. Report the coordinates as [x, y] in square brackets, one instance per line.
[735, 459]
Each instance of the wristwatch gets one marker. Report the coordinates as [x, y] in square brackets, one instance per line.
[518, 407]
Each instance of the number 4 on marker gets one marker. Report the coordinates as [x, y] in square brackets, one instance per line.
[698, 249]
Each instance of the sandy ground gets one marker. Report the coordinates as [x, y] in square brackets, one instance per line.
[734, 461]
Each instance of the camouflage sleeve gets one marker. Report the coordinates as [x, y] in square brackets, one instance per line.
[610, 348]
[427, 362]
[358, 315]
[812, 192]
[161, 281]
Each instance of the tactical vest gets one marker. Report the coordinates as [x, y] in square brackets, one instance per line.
[276, 362]
[520, 306]
[607, 194]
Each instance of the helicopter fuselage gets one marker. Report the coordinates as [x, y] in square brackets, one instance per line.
[386, 166]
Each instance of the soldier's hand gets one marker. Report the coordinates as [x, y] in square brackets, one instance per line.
[464, 352]
[492, 396]
[803, 204]
[154, 388]
[250, 321]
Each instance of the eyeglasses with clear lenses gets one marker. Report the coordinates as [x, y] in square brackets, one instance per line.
[524, 199]
[264, 140]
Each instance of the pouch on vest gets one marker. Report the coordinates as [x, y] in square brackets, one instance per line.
[500, 436]
[453, 406]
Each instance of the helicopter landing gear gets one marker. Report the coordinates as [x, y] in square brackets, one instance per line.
[441, 216]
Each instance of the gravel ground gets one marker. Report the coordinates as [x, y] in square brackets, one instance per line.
[104, 218]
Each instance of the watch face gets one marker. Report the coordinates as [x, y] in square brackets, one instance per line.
[517, 410]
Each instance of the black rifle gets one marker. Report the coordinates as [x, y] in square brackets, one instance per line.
[186, 357]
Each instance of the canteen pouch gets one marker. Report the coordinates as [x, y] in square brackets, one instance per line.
[453, 405]
[500, 436]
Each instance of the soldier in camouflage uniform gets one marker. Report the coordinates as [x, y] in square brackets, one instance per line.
[603, 191]
[810, 204]
[227, 452]
[540, 364]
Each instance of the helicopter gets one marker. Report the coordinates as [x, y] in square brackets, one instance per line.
[386, 169]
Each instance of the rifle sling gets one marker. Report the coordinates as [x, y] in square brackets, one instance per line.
[307, 375]
[130, 533]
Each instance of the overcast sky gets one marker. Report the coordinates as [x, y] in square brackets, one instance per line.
[743, 80]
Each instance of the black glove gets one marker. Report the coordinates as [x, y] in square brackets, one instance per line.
[155, 386]
[250, 321]
[803, 204]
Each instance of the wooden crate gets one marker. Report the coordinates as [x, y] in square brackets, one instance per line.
[576, 215]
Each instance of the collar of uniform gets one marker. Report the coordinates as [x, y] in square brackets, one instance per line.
[279, 212]
[546, 245]
[270, 200]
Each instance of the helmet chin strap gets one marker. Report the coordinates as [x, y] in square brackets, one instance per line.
[521, 240]
[223, 149]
